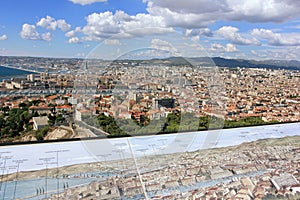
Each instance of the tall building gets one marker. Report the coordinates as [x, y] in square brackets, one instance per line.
[166, 103]
[154, 104]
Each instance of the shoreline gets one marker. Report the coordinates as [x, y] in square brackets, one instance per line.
[18, 68]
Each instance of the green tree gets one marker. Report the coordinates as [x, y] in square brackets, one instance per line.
[40, 134]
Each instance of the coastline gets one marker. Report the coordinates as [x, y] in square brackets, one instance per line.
[20, 69]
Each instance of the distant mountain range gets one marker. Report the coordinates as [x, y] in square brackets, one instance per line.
[223, 62]
[203, 61]
[269, 64]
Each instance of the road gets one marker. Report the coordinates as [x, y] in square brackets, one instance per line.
[96, 131]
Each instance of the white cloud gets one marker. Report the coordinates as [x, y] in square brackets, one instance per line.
[3, 37]
[263, 11]
[46, 36]
[101, 25]
[231, 33]
[48, 23]
[200, 13]
[195, 34]
[121, 25]
[218, 48]
[290, 53]
[148, 54]
[277, 39]
[278, 53]
[187, 14]
[51, 24]
[29, 32]
[194, 46]
[86, 2]
[112, 42]
[254, 52]
[191, 6]
[145, 24]
[72, 33]
[192, 15]
[63, 25]
[74, 40]
[231, 48]
[163, 45]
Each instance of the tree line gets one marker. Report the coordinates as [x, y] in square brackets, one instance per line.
[173, 123]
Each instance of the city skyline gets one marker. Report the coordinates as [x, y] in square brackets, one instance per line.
[73, 28]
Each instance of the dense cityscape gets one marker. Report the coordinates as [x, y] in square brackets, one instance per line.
[95, 98]
[101, 98]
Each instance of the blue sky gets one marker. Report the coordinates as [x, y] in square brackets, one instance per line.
[252, 29]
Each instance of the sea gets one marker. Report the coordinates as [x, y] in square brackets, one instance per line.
[8, 73]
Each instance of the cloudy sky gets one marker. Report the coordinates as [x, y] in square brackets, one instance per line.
[253, 29]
